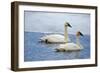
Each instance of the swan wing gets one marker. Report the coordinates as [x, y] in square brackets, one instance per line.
[54, 38]
[69, 47]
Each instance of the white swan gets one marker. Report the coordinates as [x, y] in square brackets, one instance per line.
[57, 38]
[71, 46]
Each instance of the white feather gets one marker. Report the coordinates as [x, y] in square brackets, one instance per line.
[54, 38]
[70, 47]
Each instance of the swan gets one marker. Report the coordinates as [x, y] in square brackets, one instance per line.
[57, 38]
[71, 46]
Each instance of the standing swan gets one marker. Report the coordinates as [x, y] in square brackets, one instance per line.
[57, 38]
[71, 46]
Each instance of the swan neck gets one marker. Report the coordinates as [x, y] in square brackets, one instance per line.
[77, 40]
[66, 34]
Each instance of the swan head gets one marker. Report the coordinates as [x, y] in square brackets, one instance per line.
[67, 24]
[79, 34]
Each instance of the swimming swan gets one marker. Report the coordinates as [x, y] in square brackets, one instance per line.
[71, 46]
[57, 38]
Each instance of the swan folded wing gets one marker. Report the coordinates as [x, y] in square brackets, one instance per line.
[70, 47]
[54, 38]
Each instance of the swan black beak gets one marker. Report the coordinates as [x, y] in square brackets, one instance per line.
[81, 33]
[67, 24]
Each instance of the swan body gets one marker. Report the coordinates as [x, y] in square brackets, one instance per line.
[57, 38]
[69, 47]
[54, 38]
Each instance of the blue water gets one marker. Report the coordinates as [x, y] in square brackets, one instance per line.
[37, 51]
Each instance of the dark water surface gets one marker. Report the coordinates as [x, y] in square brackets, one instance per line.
[37, 51]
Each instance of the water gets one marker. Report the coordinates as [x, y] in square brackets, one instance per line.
[37, 51]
